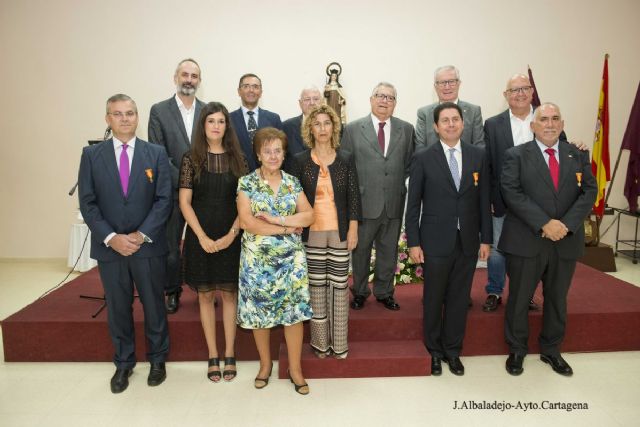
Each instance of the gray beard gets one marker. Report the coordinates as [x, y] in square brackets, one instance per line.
[187, 91]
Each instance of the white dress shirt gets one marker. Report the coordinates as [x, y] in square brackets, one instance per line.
[187, 115]
[387, 131]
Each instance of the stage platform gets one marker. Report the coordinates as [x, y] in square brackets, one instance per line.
[603, 315]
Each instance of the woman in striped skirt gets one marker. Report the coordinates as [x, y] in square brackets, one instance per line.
[330, 182]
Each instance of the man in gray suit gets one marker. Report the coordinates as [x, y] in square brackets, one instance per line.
[446, 81]
[171, 123]
[382, 146]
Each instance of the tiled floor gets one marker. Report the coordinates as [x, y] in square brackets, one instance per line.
[77, 394]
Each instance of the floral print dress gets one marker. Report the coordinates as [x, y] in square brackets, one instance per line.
[273, 286]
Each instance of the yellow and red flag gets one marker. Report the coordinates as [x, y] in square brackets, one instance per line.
[600, 156]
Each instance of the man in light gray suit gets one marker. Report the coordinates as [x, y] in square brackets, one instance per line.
[382, 146]
[171, 123]
[446, 81]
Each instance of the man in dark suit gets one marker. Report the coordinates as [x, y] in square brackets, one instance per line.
[247, 119]
[448, 221]
[124, 187]
[446, 81]
[310, 98]
[549, 190]
[382, 146]
[171, 124]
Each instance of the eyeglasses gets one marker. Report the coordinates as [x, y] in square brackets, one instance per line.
[246, 86]
[119, 115]
[523, 89]
[315, 99]
[383, 97]
[443, 83]
[267, 153]
[447, 121]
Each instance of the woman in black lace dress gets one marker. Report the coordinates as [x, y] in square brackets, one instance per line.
[211, 256]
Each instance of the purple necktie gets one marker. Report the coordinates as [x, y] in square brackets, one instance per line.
[381, 135]
[554, 168]
[124, 169]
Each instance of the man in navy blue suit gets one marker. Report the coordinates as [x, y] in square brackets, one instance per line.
[310, 97]
[124, 187]
[247, 119]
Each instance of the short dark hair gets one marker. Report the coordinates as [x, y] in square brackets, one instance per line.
[244, 76]
[445, 106]
[265, 135]
[121, 97]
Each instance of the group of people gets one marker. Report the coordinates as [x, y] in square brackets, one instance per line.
[276, 211]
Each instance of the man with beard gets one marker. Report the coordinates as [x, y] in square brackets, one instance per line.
[171, 124]
[247, 119]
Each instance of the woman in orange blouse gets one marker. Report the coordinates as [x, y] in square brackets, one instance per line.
[330, 182]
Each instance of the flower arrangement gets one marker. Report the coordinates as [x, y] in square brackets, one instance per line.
[406, 270]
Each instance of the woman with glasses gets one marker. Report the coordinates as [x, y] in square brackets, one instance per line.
[274, 287]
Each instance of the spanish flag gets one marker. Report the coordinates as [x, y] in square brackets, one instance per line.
[600, 155]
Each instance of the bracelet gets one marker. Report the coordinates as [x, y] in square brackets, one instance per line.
[282, 221]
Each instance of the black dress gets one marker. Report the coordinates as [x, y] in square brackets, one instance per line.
[214, 202]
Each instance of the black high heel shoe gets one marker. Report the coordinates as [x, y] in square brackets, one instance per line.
[232, 372]
[299, 388]
[260, 383]
[214, 376]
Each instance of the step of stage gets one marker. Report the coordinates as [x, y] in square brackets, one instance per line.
[366, 359]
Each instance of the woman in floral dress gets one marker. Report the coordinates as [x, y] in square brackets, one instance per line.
[273, 287]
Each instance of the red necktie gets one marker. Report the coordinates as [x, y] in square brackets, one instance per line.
[554, 168]
[381, 135]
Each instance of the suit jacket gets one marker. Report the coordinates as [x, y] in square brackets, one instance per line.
[295, 144]
[346, 191]
[433, 192]
[265, 119]
[106, 210]
[381, 178]
[166, 128]
[532, 199]
[471, 115]
[498, 138]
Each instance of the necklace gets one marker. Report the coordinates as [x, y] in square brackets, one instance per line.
[265, 180]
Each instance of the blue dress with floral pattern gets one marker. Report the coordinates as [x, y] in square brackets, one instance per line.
[273, 285]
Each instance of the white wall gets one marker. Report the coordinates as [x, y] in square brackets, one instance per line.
[62, 59]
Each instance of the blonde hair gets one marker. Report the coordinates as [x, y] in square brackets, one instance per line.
[307, 135]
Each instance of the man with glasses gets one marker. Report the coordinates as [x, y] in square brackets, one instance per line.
[446, 81]
[508, 129]
[171, 123]
[310, 98]
[124, 189]
[382, 146]
[247, 119]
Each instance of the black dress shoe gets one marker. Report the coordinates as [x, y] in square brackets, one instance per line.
[120, 380]
[157, 374]
[558, 364]
[455, 365]
[533, 306]
[358, 302]
[173, 302]
[514, 364]
[492, 302]
[436, 366]
[389, 303]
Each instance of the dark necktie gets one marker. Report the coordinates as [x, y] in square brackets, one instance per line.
[124, 169]
[554, 167]
[252, 126]
[381, 136]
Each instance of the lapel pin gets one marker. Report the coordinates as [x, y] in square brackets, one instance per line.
[579, 178]
[149, 173]
[476, 175]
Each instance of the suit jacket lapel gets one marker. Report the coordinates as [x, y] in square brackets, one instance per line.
[196, 117]
[177, 116]
[108, 155]
[506, 129]
[394, 137]
[540, 165]
[466, 172]
[370, 135]
[566, 158]
[139, 160]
